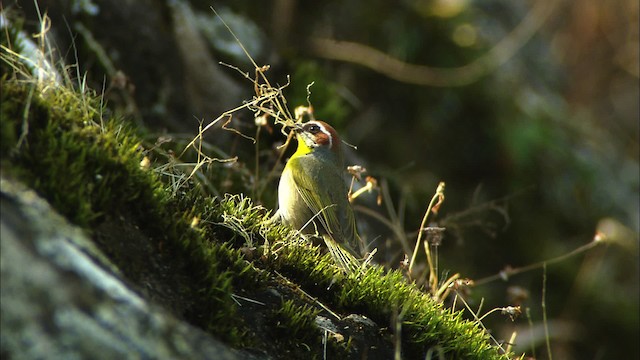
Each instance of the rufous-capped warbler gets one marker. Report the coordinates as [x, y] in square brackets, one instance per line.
[312, 195]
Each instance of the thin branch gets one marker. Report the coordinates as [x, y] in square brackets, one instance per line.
[396, 69]
[505, 274]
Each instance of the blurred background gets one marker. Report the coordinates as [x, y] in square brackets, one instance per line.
[528, 110]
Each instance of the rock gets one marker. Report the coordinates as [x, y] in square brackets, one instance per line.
[62, 299]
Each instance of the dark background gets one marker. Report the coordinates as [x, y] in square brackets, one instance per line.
[533, 127]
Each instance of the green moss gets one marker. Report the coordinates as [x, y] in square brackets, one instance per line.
[88, 168]
[8, 129]
[81, 166]
[376, 294]
[296, 322]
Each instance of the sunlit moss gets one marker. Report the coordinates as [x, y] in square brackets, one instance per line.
[88, 167]
[376, 293]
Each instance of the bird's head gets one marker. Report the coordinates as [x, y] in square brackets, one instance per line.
[317, 136]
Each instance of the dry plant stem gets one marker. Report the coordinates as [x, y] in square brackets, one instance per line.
[359, 192]
[530, 322]
[509, 272]
[477, 314]
[308, 296]
[324, 345]
[258, 69]
[395, 218]
[349, 194]
[489, 313]
[439, 193]
[512, 340]
[45, 26]
[268, 100]
[25, 119]
[369, 212]
[236, 296]
[475, 317]
[433, 272]
[445, 289]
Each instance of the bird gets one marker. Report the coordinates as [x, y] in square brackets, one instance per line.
[312, 194]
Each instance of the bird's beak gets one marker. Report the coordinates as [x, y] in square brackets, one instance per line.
[297, 128]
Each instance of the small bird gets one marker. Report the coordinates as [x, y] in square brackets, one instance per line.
[312, 195]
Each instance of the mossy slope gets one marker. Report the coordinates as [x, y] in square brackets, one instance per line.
[89, 169]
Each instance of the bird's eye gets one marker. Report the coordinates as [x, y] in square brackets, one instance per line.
[314, 129]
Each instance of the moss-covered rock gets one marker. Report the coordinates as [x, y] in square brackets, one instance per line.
[216, 262]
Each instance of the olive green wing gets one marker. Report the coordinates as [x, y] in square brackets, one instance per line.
[349, 231]
[323, 191]
[314, 188]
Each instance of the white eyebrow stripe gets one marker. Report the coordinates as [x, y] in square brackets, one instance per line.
[326, 132]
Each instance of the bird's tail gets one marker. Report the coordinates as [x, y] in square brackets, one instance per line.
[343, 258]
